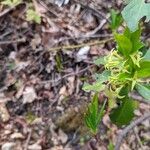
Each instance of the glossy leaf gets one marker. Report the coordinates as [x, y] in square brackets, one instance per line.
[123, 114]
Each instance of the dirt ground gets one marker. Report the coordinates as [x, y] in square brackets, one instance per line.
[42, 71]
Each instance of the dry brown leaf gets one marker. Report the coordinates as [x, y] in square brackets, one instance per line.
[62, 136]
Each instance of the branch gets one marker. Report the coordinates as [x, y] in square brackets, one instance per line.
[97, 42]
[129, 127]
[13, 41]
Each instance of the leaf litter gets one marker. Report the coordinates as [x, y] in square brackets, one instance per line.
[41, 106]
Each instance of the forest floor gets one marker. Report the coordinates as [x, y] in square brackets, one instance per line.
[42, 71]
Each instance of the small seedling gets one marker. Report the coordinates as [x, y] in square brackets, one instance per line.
[94, 114]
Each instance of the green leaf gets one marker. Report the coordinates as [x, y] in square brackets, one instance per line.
[134, 38]
[93, 115]
[11, 2]
[59, 62]
[103, 77]
[97, 87]
[144, 91]
[134, 11]
[147, 56]
[111, 146]
[100, 61]
[123, 114]
[32, 15]
[144, 70]
[116, 19]
[124, 43]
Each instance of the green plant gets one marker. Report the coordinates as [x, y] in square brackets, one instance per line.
[11, 2]
[126, 68]
[111, 146]
[94, 114]
[134, 11]
[116, 19]
[31, 13]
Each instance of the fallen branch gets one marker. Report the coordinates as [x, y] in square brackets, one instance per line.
[8, 10]
[98, 42]
[129, 127]
[13, 41]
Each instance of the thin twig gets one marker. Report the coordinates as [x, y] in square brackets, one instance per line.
[138, 138]
[46, 7]
[98, 42]
[130, 127]
[86, 37]
[28, 140]
[8, 10]
[103, 22]
[94, 11]
[65, 76]
[13, 41]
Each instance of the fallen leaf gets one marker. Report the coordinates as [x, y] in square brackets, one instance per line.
[82, 53]
[62, 136]
[29, 95]
[17, 136]
[35, 146]
[4, 114]
[8, 146]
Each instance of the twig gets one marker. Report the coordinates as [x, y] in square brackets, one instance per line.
[6, 11]
[46, 7]
[103, 22]
[28, 140]
[138, 138]
[98, 42]
[65, 76]
[13, 41]
[5, 34]
[129, 127]
[94, 11]
[138, 98]
[86, 37]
